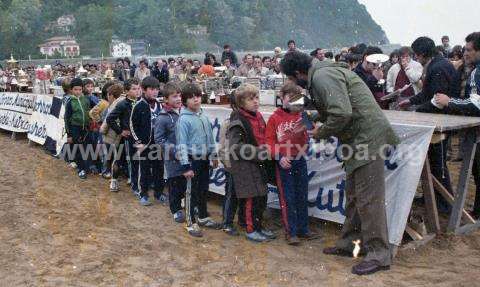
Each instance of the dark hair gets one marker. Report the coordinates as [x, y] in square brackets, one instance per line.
[475, 39]
[105, 89]
[445, 38]
[150, 82]
[290, 42]
[126, 59]
[424, 46]
[170, 88]
[359, 49]
[207, 61]
[329, 55]
[144, 61]
[190, 90]
[394, 54]
[226, 46]
[372, 50]
[129, 83]
[456, 51]
[76, 82]
[171, 59]
[295, 61]
[88, 82]
[265, 58]
[352, 58]
[314, 52]
[119, 60]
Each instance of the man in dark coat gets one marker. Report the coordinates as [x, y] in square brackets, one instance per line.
[440, 77]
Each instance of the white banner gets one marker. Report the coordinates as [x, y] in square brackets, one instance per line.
[15, 111]
[326, 186]
[40, 119]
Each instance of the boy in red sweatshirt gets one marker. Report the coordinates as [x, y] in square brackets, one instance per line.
[287, 140]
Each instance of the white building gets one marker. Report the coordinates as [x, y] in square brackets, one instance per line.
[65, 45]
[121, 50]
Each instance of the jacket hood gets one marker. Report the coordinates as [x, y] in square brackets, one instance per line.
[317, 65]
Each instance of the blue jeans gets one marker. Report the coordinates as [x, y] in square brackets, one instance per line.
[293, 195]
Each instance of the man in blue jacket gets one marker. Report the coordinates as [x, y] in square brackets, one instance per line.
[469, 105]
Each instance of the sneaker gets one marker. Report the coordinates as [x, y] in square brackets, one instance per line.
[136, 193]
[73, 165]
[268, 234]
[309, 236]
[230, 230]
[179, 217]
[194, 230]
[106, 175]
[208, 223]
[256, 237]
[114, 185]
[144, 201]
[129, 181]
[82, 174]
[293, 241]
[161, 197]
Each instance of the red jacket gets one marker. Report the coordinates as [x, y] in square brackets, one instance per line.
[286, 134]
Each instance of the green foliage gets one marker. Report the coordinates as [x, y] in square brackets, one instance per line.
[164, 24]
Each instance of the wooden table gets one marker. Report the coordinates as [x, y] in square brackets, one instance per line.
[446, 123]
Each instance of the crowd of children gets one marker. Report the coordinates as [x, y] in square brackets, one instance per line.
[171, 146]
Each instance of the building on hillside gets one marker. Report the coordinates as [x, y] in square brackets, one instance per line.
[138, 47]
[66, 46]
[119, 49]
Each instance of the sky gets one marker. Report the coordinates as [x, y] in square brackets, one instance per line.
[405, 20]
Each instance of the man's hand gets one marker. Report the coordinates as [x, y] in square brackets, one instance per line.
[404, 104]
[189, 174]
[125, 133]
[285, 163]
[378, 74]
[442, 100]
[70, 140]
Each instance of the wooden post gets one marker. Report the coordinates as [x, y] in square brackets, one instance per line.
[450, 199]
[432, 221]
[470, 147]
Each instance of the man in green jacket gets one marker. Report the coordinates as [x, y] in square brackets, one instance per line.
[347, 110]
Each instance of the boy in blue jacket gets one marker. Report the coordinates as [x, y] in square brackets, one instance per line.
[150, 170]
[195, 147]
[165, 137]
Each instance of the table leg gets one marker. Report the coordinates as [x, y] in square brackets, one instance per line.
[431, 218]
[470, 145]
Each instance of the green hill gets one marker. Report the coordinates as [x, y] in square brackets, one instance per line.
[169, 26]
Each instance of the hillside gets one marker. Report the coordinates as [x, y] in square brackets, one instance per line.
[170, 25]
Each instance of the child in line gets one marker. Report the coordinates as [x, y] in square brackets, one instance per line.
[97, 114]
[88, 88]
[230, 200]
[150, 170]
[195, 146]
[110, 140]
[246, 141]
[165, 137]
[118, 120]
[287, 138]
[77, 123]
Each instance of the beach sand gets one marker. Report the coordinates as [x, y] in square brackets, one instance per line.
[57, 230]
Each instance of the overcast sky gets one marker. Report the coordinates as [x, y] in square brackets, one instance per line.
[404, 21]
